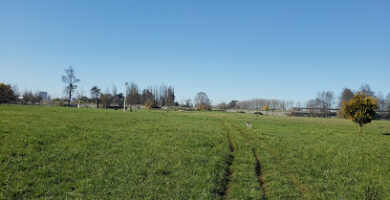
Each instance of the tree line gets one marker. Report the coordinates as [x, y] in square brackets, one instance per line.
[11, 94]
[162, 95]
[152, 96]
[264, 104]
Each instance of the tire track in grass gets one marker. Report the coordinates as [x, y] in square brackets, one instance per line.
[300, 188]
[259, 174]
[258, 168]
[222, 188]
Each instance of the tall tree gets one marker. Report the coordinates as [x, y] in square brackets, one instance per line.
[6, 93]
[28, 97]
[16, 92]
[95, 93]
[381, 101]
[70, 80]
[387, 105]
[169, 97]
[146, 95]
[366, 89]
[346, 95]
[329, 99]
[202, 100]
[326, 99]
[37, 97]
[360, 109]
[80, 94]
[115, 97]
[106, 98]
[133, 96]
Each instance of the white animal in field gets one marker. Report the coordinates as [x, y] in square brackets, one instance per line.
[249, 125]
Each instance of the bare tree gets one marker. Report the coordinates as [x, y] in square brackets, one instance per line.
[381, 101]
[222, 106]
[70, 80]
[28, 97]
[316, 103]
[161, 92]
[80, 93]
[115, 97]
[202, 99]
[133, 96]
[329, 99]
[289, 104]
[366, 89]
[326, 100]
[387, 105]
[283, 105]
[387, 100]
[322, 103]
[169, 97]
[260, 103]
[37, 97]
[95, 93]
[274, 104]
[106, 98]
[321, 96]
[16, 92]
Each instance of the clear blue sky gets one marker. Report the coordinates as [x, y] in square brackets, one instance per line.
[228, 49]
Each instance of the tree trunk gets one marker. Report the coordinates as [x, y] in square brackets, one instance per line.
[70, 96]
[124, 104]
[360, 128]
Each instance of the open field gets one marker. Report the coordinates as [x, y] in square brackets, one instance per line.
[52, 152]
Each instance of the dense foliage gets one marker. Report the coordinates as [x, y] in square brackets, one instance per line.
[360, 109]
[6, 93]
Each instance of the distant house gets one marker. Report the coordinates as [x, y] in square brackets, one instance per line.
[43, 95]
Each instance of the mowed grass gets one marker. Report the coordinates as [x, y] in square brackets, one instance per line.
[51, 152]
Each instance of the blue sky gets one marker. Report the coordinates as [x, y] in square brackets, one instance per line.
[228, 49]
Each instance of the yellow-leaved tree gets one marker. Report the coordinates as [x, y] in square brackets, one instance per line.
[149, 104]
[360, 109]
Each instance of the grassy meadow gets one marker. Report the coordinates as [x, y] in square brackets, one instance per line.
[70, 153]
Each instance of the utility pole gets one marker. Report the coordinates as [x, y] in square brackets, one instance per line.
[124, 101]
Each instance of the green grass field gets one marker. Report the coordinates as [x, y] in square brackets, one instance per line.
[70, 153]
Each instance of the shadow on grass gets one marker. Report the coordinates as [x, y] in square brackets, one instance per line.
[386, 134]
